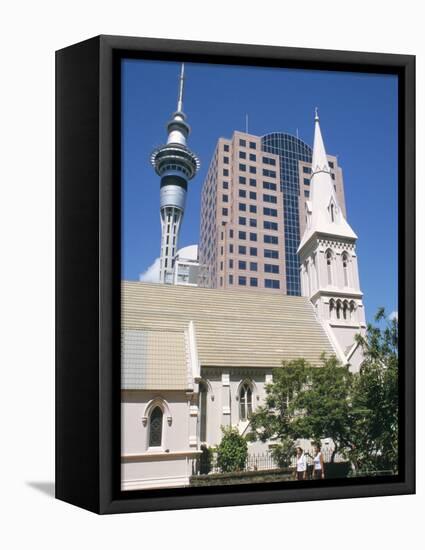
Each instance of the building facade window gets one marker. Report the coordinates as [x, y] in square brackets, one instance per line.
[269, 185]
[253, 237]
[253, 182]
[226, 160]
[270, 225]
[242, 155]
[271, 239]
[270, 161]
[155, 427]
[225, 198]
[329, 265]
[242, 167]
[270, 212]
[253, 208]
[271, 268]
[252, 157]
[270, 198]
[242, 235]
[252, 170]
[242, 249]
[203, 398]
[242, 281]
[252, 222]
[271, 283]
[344, 258]
[226, 148]
[225, 185]
[269, 173]
[253, 266]
[252, 145]
[268, 253]
[242, 193]
[253, 281]
[242, 221]
[242, 207]
[242, 180]
[242, 143]
[242, 264]
[245, 402]
[253, 251]
[252, 195]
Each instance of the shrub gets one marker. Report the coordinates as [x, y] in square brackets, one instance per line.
[232, 451]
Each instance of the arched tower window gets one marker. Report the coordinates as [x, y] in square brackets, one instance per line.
[331, 308]
[352, 310]
[329, 265]
[245, 401]
[345, 309]
[155, 427]
[345, 267]
[338, 309]
[332, 209]
[203, 395]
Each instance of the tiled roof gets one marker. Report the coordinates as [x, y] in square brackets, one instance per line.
[234, 328]
[153, 360]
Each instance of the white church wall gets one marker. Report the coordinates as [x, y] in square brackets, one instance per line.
[135, 423]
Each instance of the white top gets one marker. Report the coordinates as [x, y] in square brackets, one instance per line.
[317, 464]
[301, 463]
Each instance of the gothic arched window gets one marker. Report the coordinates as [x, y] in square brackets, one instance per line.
[331, 308]
[245, 402]
[332, 209]
[345, 267]
[203, 394]
[155, 427]
[345, 309]
[338, 309]
[352, 310]
[329, 265]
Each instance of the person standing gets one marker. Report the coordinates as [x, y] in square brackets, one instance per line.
[318, 464]
[301, 465]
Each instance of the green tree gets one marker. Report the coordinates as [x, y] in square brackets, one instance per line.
[232, 451]
[375, 426]
[304, 402]
[358, 411]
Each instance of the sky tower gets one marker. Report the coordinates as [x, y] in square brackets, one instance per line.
[175, 164]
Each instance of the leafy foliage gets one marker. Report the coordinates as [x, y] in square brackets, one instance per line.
[358, 411]
[232, 450]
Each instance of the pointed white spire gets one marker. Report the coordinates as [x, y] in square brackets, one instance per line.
[319, 162]
[324, 215]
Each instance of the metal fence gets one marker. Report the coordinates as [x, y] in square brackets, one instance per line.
[261, 461]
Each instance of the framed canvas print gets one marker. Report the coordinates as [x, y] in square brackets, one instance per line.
[235, 274]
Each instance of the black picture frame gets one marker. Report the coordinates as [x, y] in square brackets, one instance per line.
[88, 273]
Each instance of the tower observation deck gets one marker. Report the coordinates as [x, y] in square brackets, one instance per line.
[175, 164]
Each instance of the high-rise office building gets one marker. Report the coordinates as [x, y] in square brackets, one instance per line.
[252, 197]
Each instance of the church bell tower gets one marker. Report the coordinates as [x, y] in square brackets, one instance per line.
[328, 261]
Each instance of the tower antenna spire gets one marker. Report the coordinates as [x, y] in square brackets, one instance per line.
[181, 90]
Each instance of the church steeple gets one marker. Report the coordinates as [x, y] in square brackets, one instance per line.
[328, 260]
[323, 212]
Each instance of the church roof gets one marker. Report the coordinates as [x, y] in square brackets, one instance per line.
[154, 360]
[234, 328]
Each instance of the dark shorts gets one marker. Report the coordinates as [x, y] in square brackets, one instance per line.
[317, 474]
[300, 475]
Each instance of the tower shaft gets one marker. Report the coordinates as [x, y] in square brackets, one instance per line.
[176, 164]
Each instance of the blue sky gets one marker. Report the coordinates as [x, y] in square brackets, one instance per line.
[358, 115]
